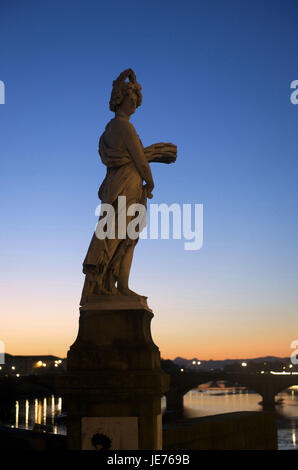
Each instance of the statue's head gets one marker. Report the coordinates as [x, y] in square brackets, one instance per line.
[126, 93]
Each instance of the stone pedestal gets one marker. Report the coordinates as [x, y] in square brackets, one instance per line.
[114, 384]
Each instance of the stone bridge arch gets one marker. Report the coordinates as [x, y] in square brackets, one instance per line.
[266, 385]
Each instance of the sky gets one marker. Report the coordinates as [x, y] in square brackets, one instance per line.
[215, 79]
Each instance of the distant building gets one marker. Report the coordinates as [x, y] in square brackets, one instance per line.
[28, 365]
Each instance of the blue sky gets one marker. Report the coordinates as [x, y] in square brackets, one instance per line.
[216, 82]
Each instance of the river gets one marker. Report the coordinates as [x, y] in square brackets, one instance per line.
[211, 402]
[46, 411]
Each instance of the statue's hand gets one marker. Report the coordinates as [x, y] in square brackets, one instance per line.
[165, 146]
[148, 190]
[161, 152]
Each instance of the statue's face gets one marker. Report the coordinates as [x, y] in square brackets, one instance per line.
[129, 104]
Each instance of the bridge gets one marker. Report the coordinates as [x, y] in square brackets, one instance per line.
[267, 384]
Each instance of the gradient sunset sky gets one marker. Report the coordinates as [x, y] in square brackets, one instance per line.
[216, 80]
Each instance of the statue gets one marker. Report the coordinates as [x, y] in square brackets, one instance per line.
[108, 261]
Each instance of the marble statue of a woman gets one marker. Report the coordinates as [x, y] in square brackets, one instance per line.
[108, 261]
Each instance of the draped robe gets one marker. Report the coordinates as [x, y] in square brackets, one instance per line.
[118, 147]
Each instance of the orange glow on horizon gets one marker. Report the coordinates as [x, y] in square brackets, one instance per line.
[34, 326]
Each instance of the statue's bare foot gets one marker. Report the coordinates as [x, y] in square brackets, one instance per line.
[127, 291]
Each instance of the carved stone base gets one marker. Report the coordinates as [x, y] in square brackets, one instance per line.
[114, 382]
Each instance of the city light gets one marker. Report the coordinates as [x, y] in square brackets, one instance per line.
[280, 373]
[244, 364]
[283, 373]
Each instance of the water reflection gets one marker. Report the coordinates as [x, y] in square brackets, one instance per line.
[212, 401]
[17, 414]
[293, 434]
[26, 413]
[35, 410]
[59, 406]
[44, 411]
[39, 412]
